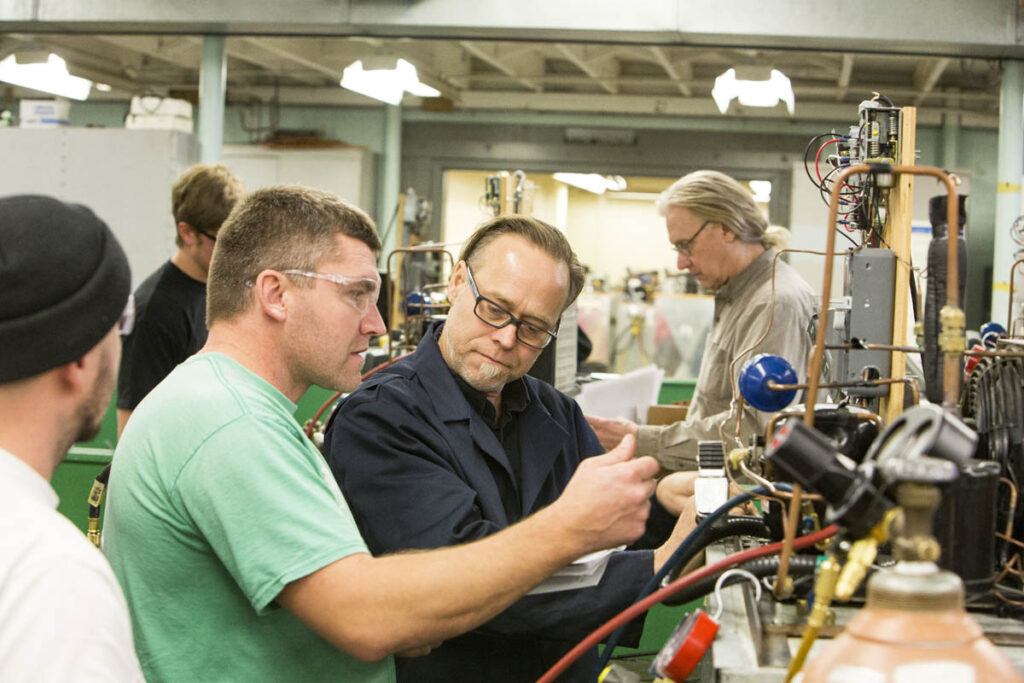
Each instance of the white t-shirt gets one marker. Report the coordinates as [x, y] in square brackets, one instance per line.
[62, 614]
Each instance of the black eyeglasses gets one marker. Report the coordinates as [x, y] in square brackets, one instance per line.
[684, 246]
[497, 316]
[208, 235]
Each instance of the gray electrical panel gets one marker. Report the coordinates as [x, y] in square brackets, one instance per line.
[864, 314]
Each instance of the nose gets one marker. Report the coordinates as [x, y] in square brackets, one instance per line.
[372, 323]
[683, 261]
[506, 336]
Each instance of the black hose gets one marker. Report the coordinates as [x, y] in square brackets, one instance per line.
[799, 565]
[726, 527]
[935, 292]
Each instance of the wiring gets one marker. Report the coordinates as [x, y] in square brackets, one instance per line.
[639, 608]
[686, 550]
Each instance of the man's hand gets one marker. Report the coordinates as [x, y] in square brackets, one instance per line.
[610, 431]
[608, 498]
[674, 490]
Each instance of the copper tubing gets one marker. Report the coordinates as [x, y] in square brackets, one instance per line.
[392, 288]
[951, 383]
[1009, 306]
[875, 347]
[778, 417]
[910, 381]
[950, 380]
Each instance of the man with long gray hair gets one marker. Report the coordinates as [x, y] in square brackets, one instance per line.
[724, 240]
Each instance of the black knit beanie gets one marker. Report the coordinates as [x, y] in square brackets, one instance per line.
[64, 282]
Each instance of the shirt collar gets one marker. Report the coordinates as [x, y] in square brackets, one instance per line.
[755, 271]
[19, 477]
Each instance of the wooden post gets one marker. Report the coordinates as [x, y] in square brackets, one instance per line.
[897, 235]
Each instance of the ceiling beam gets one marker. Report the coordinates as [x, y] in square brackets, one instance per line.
[926, 76]
[573, 54]
[252, 52]
[662, 59]
[484, 52]
[286, 49]
[845, 73]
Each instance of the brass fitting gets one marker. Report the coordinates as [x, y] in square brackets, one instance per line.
[824, 587]
[951, 338]
[738, 456]
[861, 556]
[93, 534]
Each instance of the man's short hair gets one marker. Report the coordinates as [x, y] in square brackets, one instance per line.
[278, 228]
[203, 197]
[66, 282]
[716, 197]
[547, 237]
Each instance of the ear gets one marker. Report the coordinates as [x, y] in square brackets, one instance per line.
[74, 376]
[272, 290]
[457, 280]
[728, 234]
[187, 234]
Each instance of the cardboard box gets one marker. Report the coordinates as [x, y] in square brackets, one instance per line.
[43, 113]
[667, 414]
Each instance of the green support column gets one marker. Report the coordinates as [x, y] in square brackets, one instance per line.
[391, 180]
[212, 85]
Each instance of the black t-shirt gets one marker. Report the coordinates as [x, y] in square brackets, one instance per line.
[170, 326]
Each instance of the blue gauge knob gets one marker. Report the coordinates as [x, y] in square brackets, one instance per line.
[990, 332]
[755, 376]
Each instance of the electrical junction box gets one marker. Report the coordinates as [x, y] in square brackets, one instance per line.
[865, 313]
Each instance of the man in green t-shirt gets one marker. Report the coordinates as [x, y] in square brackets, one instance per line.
[221, 512]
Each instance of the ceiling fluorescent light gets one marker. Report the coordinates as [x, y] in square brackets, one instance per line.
[388, 84]
[753, 93]
[50, 76]
[592, 182]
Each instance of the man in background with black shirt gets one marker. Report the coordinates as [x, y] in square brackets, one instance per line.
[170, 304]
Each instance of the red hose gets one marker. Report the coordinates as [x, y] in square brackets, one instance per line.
[638, 608]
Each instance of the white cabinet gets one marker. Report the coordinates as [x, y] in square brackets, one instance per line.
[124, 176]
[347, 172]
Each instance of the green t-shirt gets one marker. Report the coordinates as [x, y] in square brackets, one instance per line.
[217, 501]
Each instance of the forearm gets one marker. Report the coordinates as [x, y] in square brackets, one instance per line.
[570, 615]
[396, 602]
[675, 446]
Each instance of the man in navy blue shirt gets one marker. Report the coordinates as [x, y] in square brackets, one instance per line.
[455, 443]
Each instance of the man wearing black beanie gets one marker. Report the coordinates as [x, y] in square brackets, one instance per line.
[66, 283]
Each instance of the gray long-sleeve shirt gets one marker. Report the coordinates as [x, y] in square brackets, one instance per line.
[743, 307]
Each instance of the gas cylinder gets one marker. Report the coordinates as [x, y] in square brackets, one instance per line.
[913, 627]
